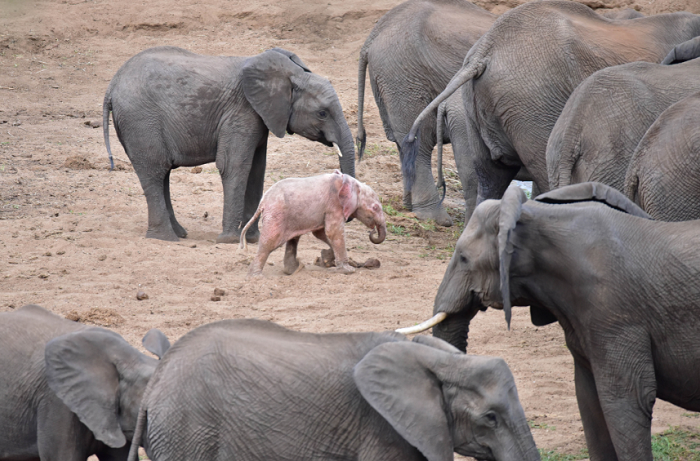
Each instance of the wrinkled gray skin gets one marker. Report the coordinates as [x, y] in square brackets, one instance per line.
[68, 391]
[623, 288]
[174, 108]
[265, 392]
[625, 13]
[518, 76]
[321, 205]
[412, 53]
[663, 176]
[607, 116]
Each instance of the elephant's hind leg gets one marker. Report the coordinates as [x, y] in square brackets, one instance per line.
[152, 181]
[179, 230]
[291, 263]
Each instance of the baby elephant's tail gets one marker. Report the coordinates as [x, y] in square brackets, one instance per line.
[250, 223]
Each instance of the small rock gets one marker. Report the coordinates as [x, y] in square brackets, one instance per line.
[219, 292]
[92, 124]
[372, 263]
[48, 253]
[43, 276]
[60, 252]
[102, 258]
[194, 245]
[216, 298]
[140, 295]
[197, 170]
[206, 214]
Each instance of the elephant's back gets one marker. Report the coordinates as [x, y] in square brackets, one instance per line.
[249, 380]
[664, 172]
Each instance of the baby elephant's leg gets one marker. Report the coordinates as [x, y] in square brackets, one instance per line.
[335, 237]
[291, 263]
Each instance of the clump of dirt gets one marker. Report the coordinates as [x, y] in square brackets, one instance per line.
[77, 162]
[101, 316]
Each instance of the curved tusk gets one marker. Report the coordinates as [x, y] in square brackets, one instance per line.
[340, 154]
[430, 323]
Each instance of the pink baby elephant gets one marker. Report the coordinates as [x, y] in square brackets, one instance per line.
[319, 204]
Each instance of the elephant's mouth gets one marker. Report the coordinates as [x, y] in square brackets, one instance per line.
[322, 139]
[480, 453]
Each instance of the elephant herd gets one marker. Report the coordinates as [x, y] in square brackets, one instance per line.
[601, 113]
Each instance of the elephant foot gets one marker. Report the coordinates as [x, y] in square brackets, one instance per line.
[439, 215]
[159, 234]
[228, 238]
[290, 265]
[179, 230]
[345, 268]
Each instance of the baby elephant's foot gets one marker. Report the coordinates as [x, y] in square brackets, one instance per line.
[254, 274]
[291, 265]
[343, 268]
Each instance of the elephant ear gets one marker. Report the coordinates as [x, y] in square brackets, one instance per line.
[268, 88]
[397, 382]
[82, 370]
[295, 59]
[684, 52]
[593, 192]
[156, 342]
[348, 195]
[510, 210]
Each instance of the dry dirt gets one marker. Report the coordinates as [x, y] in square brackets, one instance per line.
[72, 232]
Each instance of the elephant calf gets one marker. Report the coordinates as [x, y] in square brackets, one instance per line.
[68, 391]
[321, 205]
[251, 390]
[175, 108]
[624, 289]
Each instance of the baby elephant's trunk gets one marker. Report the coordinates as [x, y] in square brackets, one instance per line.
[379, 235]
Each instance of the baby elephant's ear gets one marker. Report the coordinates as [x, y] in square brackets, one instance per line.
[156, 342]
[348, 195]
[268, 88]
[397, 381]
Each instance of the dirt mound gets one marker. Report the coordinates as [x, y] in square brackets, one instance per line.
[101, 316]
[77, 162]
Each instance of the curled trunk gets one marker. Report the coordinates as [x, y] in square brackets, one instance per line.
[380, 236]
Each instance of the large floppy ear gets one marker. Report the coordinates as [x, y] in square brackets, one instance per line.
[268, 88]
[510, 210]
[156, 342]
[396, 380]
[82, 370]
[349, 195]
[295, 59]
[593, 192]
[684, 52]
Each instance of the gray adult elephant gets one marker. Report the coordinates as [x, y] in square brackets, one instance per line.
[623, 288]
[663, 176]
[174, 108]
[412, 52]
[252, 390]
[68, 391]
[607, 115]
[517, 78]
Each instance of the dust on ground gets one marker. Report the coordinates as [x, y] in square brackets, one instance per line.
[72, 232]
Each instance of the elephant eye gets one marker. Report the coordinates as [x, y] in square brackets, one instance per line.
[322, 113]
[463, 259]
[491, 419]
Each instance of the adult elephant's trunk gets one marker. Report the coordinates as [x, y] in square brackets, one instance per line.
[381, 230]
[346, 147]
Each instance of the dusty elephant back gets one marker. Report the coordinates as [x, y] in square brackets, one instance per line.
[664, 173]
[242, 375]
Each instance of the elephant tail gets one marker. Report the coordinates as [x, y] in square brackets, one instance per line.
[106, 108]
[473, 68]
[138, 434]
[361, 139]
[440, 124]
[243, 244]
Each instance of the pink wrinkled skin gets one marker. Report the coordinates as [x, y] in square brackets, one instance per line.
[320, 205]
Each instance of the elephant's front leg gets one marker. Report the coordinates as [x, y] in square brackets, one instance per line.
[235, 160]
[334, 235]
[600, 446]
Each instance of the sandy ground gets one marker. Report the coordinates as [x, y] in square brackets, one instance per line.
[72, 232]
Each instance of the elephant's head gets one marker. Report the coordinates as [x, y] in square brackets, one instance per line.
[479, 272]
[441, 401]
[101, 378]
[289, 97]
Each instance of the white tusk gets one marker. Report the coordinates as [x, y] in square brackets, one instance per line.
[340, 154]
[437, 318]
